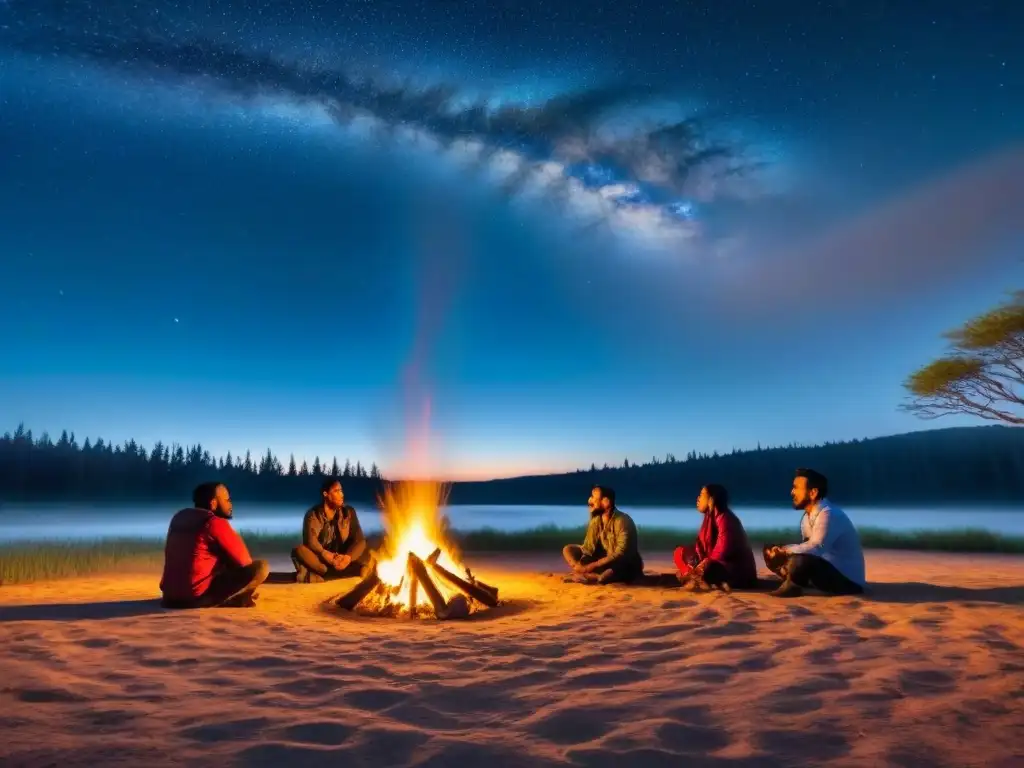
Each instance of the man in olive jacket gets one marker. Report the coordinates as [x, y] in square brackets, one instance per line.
[611, 549]
[333, 545]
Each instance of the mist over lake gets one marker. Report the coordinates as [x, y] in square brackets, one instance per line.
[31, 522]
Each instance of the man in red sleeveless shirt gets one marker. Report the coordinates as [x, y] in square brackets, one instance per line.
[206, 563]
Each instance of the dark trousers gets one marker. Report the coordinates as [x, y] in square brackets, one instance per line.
[231, 586]
[618, 572]
[812, 571]
[310, 568]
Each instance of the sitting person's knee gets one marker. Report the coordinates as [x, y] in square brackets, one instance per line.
[571, 552]
[261, 570]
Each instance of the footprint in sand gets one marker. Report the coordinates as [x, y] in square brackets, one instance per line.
[647, 646]
[662, 630]
[385, 747]
[608, 678]
[375, 699]
[97, 642]
[264, 662]
[736, 645]
[231, 730]
[106, 718]
[712, 674]
[705, 615]
[926, 682]
[696, 739]
[796, 705]
[468, 753]
[756, 662]
[728, 629]
[871, 621]
[309, 687]
[424, 717]
[273, 754]
[801, 746]
[675, 605]
[325, 733]
[566, 727]
[47, 696]
[914, 756]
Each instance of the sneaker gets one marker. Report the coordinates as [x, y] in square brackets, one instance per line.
[788, 589]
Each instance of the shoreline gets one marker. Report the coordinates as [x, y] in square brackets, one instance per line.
[24, 562]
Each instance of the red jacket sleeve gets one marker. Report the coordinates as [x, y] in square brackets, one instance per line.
[229, 542]
[727, 536]
[704, 538]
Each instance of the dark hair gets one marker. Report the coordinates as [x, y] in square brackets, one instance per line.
[719, 495]
[204, 494]
[329, 483]
[606, 493]
[815, 481]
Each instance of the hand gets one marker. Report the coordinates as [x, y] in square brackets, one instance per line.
[698, 570]
[581, 568]
[341, 562]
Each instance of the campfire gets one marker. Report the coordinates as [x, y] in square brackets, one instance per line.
[417, 571]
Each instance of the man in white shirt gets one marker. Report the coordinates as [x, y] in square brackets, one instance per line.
[830, 557]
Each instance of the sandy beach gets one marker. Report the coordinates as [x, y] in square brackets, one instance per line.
[925, 672]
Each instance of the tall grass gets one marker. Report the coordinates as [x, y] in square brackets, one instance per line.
[39, 561]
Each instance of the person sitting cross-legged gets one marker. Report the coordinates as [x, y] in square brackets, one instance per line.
[830, 557]
[610, 550]
[721, 556]
[206, 563]
[333, 545]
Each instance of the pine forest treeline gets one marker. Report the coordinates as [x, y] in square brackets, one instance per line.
[967, 466]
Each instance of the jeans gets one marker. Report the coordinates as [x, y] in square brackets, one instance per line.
[617, 572]
[813, 571]
[231, 586]
[310, 568]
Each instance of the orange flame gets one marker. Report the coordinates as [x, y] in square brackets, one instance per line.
[411, 512]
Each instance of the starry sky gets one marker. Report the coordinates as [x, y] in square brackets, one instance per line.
[521, 235]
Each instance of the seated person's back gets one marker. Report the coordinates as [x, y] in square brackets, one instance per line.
[205, 560]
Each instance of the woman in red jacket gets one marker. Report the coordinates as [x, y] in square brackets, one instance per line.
[721, 556]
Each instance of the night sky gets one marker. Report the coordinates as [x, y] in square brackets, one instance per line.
[575, 231]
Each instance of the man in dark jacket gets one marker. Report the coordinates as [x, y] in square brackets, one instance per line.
[206, 563]
[333, 545]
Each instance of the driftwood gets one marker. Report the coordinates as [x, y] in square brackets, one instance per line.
[359, 592]
[488, 597]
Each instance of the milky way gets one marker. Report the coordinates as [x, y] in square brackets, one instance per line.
[648, 180]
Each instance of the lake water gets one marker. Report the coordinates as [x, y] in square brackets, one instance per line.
[38, 522]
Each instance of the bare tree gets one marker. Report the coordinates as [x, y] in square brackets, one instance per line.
[983, 372]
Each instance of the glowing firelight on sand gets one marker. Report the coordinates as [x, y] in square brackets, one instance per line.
[413, 523]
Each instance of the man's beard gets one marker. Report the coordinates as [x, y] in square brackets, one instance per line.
[595, 511]
[220, 513]
[802, 506]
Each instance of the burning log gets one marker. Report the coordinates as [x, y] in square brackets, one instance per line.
[414, 589]
[359, 592]
[474, 580]
[481, 593]
[456, 608]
